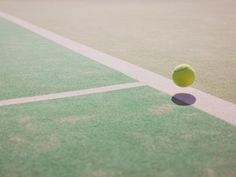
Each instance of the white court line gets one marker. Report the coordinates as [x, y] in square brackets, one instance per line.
[70, 94]
[213, 105]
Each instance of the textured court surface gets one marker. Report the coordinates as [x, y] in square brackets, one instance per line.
[31, 65]
[137, 132]
[154, 34]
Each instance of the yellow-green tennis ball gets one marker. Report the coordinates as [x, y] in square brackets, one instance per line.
[183, 75]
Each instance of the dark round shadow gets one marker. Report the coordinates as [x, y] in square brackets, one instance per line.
[183, 99]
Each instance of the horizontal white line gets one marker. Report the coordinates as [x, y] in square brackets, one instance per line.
[69, 94]
[215, 106]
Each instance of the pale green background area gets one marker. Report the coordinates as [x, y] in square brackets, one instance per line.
[155, 34]
[129, 133]
[32, 65]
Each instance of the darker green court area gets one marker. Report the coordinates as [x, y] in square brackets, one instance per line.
[130, 133]
[31, 65]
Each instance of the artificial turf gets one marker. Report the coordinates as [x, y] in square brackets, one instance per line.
[154, 34]
[32, 65]
[129, 133]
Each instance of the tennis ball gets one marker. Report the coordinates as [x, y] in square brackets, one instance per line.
[183, 75]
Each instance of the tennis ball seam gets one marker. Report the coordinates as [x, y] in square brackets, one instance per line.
[182, 69]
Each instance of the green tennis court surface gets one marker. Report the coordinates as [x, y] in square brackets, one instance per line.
[136, 132]
[154, 34]
[32, 65]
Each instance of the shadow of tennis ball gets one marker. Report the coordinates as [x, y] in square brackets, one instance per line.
[183, 99]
